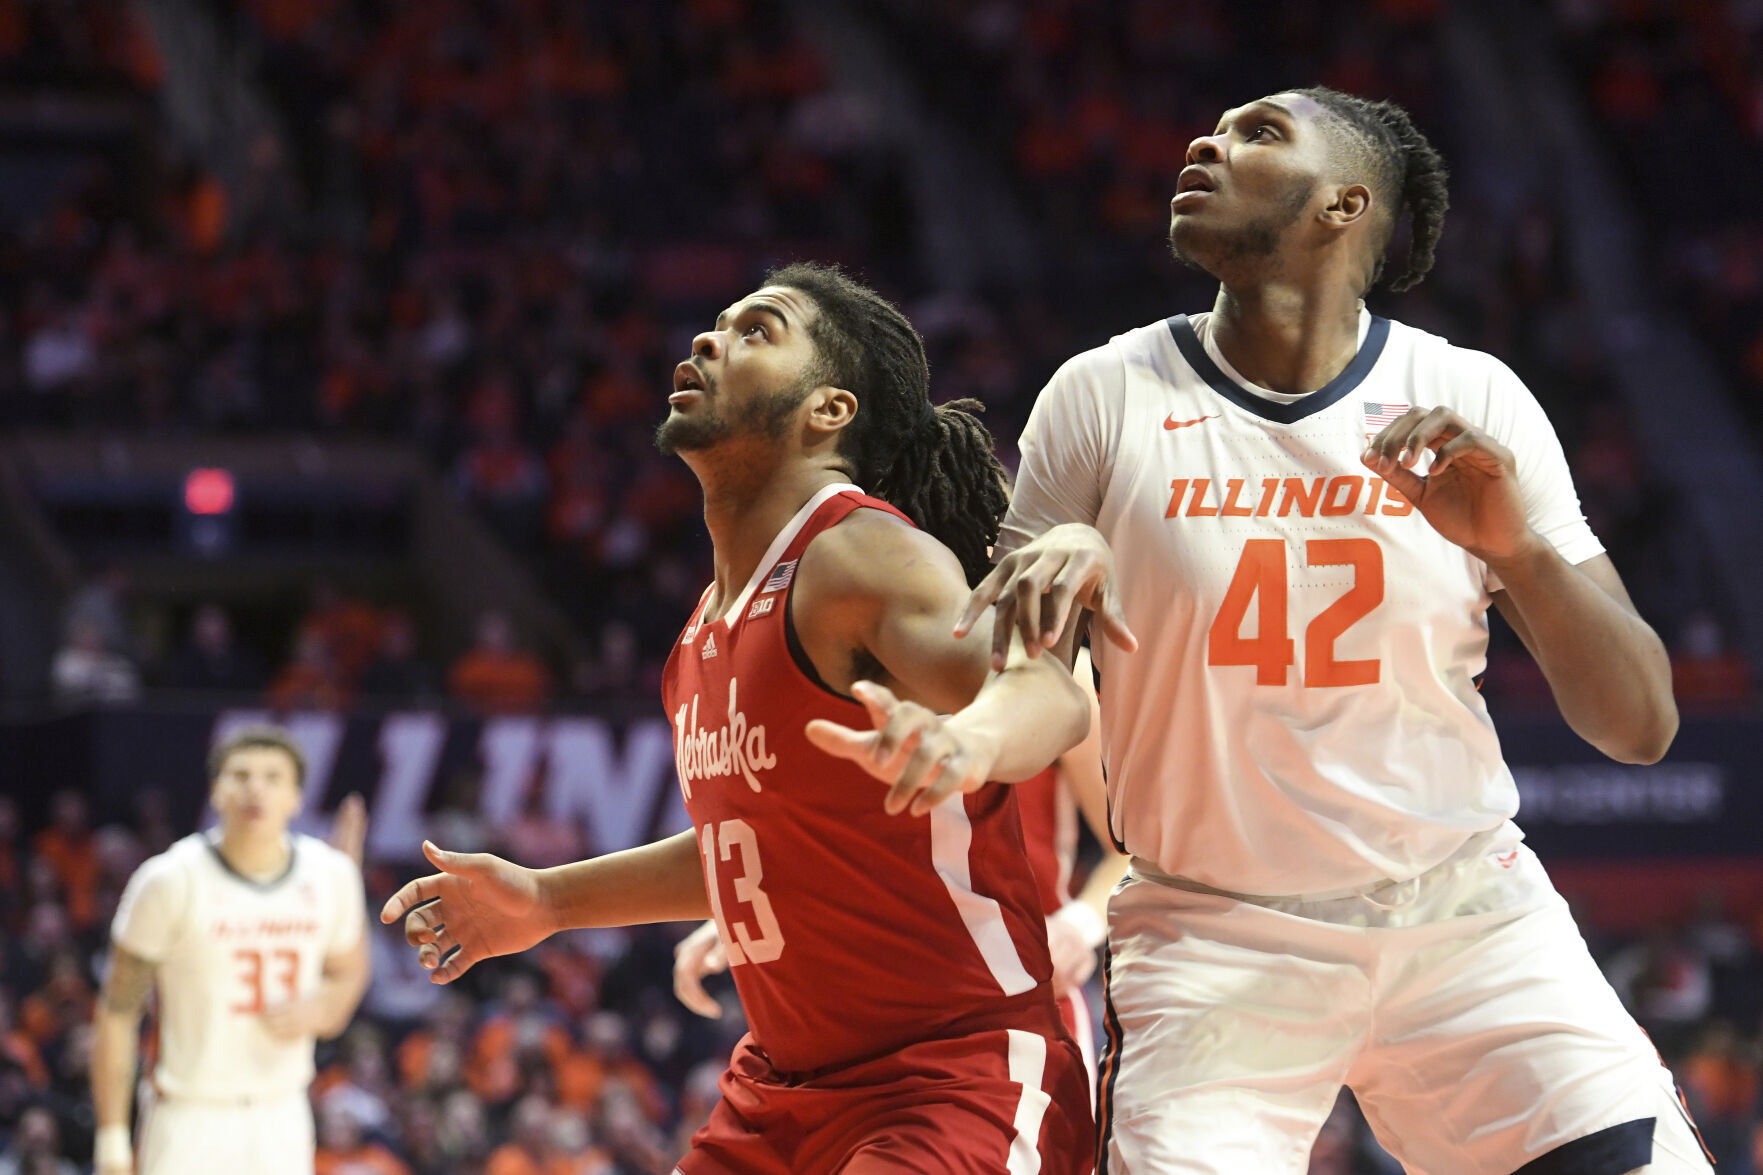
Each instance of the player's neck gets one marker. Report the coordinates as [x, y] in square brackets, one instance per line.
[1286, 337]
[744, 516]
[257, 856]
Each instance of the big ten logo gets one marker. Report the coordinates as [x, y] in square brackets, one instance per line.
[614, 780]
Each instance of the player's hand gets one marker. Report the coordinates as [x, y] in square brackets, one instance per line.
[696, 955]
[925, 757]
[478, 906]
[349, 828]
[1470, 494]
[292, 1021]
[1073, 949]
[1035, 588]
[127, 1168]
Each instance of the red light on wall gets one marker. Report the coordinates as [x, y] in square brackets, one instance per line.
[208, 491]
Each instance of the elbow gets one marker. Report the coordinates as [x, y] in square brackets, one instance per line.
[1645, 742]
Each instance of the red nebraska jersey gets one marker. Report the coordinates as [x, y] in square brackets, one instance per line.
[850, 933]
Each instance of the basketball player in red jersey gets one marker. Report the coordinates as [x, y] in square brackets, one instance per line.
[885, 941]
[1077, 924]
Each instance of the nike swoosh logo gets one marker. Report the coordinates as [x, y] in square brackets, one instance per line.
[1172, 422]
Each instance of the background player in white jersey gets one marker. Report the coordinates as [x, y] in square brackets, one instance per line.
[255, 941]
[1303, 511]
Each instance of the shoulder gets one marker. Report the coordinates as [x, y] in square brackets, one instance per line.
[321, 857]
[1103, 368]
[1455, 364]
[872, 555]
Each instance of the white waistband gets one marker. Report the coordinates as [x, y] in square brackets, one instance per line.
[1385, 894]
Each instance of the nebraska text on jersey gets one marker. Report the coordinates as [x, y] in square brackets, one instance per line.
[731, 750]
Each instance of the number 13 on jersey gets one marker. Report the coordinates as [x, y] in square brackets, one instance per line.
[1261, 576]
[733, 842]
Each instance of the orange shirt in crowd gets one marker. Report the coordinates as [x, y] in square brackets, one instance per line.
[370, 1158]
[499, 683]
[513, 1159]
[75, 862]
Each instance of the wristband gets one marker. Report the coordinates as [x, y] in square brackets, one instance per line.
[1081, 917]
[111, 1148]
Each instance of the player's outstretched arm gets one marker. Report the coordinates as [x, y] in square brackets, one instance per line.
[889, 595]
[1033, 591]
[1605, 665]
[116, 1033]
[479, 906]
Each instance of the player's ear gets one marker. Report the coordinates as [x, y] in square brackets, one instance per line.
[1350, 204]
[831, 409]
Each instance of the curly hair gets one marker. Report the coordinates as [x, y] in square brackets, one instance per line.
[935, 463]
[1380, 140]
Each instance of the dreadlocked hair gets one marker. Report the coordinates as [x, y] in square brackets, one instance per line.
[1381, 141]
[935, 464]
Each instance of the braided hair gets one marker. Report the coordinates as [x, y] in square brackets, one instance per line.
[1380, 141]
[934, 464]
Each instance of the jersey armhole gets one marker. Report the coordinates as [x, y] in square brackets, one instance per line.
[800, 655]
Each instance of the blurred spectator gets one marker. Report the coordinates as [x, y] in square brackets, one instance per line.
[1720, 1083]
[66, 848]
[494, 677]
[211, 659]
[343, 1151]
[398, 673]
[36, 1147]
[103, 601]
[86, 670]
[311, 680]
[540, 1147]
[1666, 984]
[347, 628]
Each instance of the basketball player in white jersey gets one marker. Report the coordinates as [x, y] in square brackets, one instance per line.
[254, 938]
[1302, 512]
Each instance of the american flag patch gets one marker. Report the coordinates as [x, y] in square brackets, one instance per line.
[780, 577]
[1380, 416]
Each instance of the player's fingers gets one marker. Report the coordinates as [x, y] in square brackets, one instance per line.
[414, 893]
[900, 739]
[688, 988]
[1394, 435]
[842, 742]
[1030, 594]
[921, 771]
[1435, 429]
[877, 699]
[716, 959]
[956, 778]
[1056, 611]
[448, 861]
[984, 595]
[422, 923]
[454, 965]
[1113, 620]
[1403, 480]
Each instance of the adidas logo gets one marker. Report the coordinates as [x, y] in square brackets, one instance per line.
[709, 647]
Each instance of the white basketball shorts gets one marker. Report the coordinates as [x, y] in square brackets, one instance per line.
[185, 1136]
[1462, 1008]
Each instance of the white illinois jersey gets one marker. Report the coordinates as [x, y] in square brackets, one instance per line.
[226, 948]
[1301, 716]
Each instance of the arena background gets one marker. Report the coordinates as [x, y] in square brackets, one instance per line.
[333, 332]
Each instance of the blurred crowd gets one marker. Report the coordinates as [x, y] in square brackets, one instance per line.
[342, 650]
[1660, 74]
[490, 227]
[575, 1058]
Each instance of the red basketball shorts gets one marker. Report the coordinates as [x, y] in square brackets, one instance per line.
[998, 1102]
